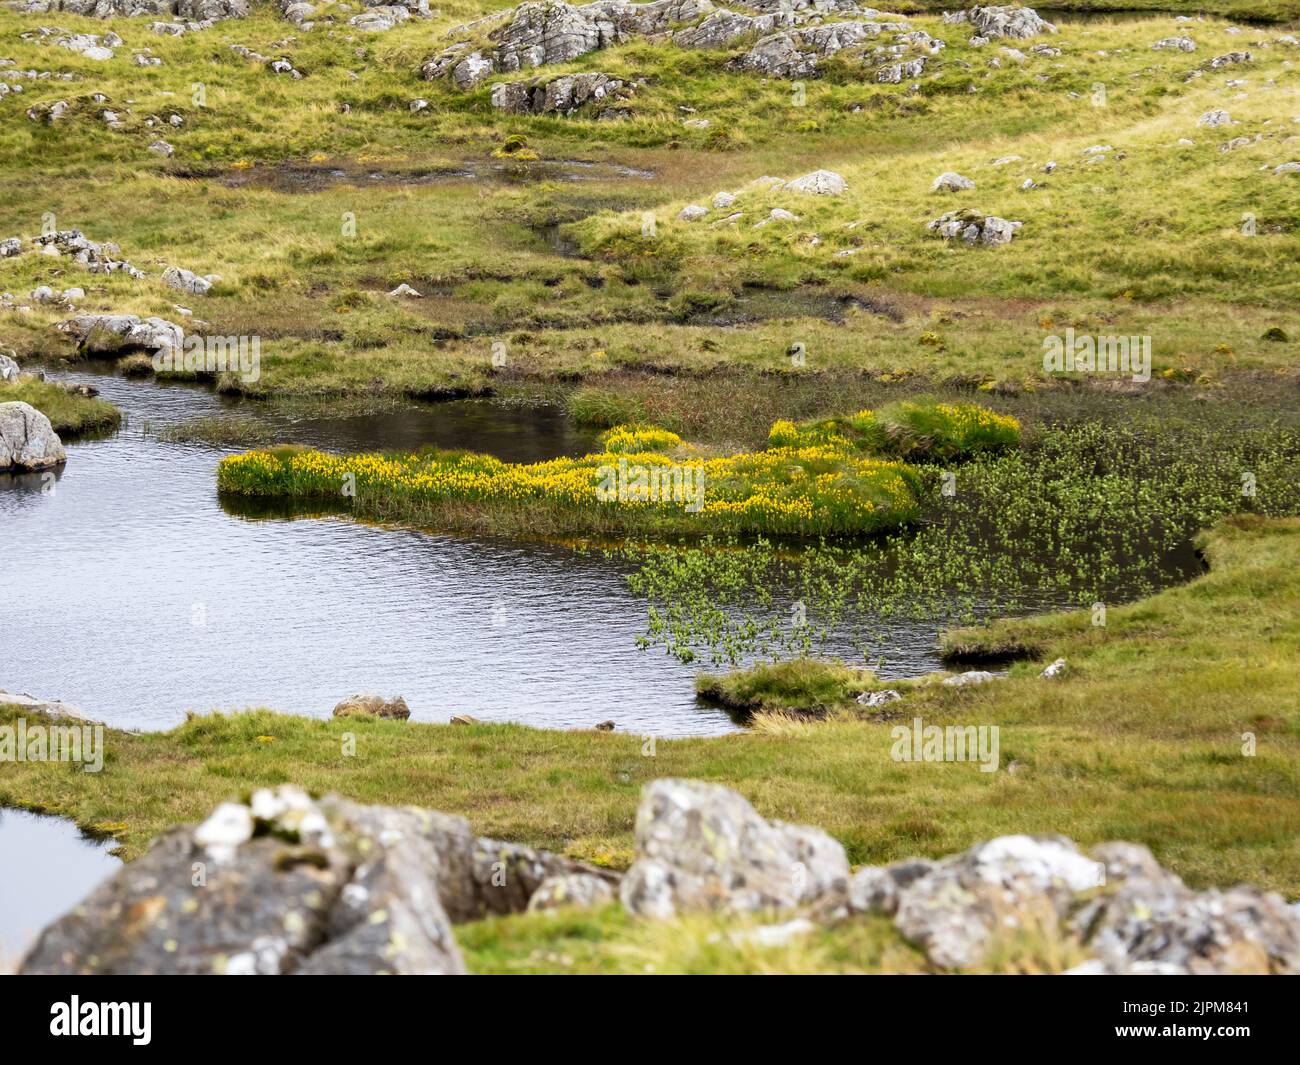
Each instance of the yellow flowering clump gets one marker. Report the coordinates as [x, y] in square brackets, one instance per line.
[823, 488]
[630, 439]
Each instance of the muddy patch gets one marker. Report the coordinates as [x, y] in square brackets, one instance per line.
[314, 177]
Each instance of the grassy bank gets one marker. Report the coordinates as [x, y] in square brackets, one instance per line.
[1143, 740]
[70, 413]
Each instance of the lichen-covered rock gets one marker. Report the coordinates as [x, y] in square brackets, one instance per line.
[98, 258]
[795, 53]
[1216, 117]
[950, 181]
[573, 890]
[974, 228]
[819, 183]
[11, 246]
[276, 888]
[562, 95]
[117, 334]
[27, 440]
[701, 847]
[373, 706]
[9, 369]
[1008, 21]
[1178, 44]
[957, 910]
[1148, 920]
[186, 281]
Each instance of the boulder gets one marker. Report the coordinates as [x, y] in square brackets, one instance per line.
[1008, 21]
[1014, 883]
[878, 699]
[574, 890]
[11, 246]
[282, 887]
[974, 228]
[373, 706]
[562, 95]
[186, 281]
[950, 181]
[1216, 117]
[970, 677]
[117, 334]
[27, 440]
[692, 212]
[701, 847]
[1178, 44]
[1056, 669]
[1149, 921]
[9, 369]
[819, 183]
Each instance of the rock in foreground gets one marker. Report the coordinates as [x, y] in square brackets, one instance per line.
[27, 440]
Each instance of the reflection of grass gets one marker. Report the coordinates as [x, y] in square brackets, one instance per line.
[70, 414]
[1141, 741]
[219, 430]
[1084, 513]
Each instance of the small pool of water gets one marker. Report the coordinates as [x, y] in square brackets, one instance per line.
[47, 866]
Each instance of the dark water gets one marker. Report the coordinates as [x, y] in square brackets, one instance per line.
[132, 593]
[46, 868]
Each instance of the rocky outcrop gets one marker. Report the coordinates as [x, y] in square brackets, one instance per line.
[974, 228]
[27, 440]
[284, 884]
[792, 38]
[701, 847]
[197, 10]
[795, 53]
[97, 258]
[117, 334]
[373, 706]
[1009, 21]
[562, 95]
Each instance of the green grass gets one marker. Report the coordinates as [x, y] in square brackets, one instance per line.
[798, 686]
[70, 414]
[1148, 243]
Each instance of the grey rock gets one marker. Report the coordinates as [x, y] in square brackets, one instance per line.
[186, 281]
[1180, 44]
[819, 183]
[560, 95]
[701, 847]
[1009, 21]
[9, 369]
[956, 911]
[10, 247]
[352, 891]
[117, 334]
[576, 890]
[692, 212]
[1216, 117]
[27, 440]
[1056, 669]
[970, 677]
[51, 708]
[880, 698]
[949, 181]
[974, 228]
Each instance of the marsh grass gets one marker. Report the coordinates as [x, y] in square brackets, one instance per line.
[70, 414]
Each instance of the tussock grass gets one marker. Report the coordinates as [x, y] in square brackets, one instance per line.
[70, 414]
